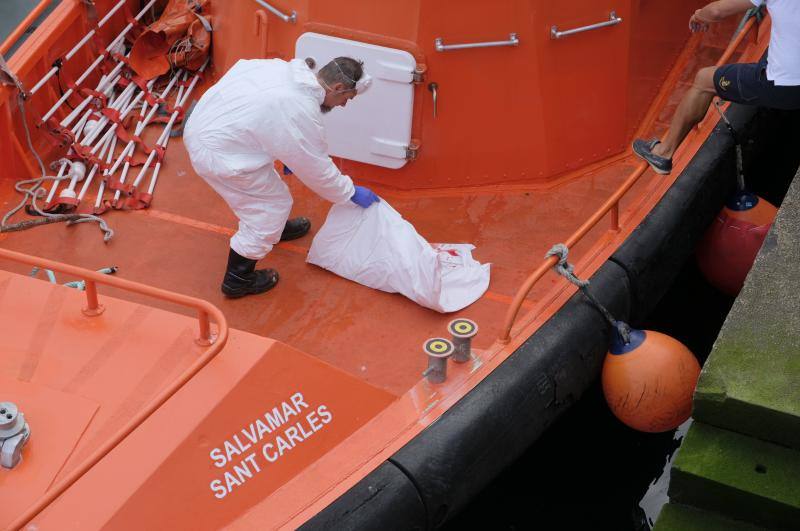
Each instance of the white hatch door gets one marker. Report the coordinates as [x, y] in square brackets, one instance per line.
[375, 127]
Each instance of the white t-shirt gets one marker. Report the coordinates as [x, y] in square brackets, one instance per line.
[783, 59]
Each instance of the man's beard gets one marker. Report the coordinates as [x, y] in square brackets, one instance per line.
[325, 109]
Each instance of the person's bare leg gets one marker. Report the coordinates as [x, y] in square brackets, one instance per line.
[690, 111]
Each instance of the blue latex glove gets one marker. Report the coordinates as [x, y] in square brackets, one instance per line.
[364, 197]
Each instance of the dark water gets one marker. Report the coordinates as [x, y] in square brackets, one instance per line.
[590, 471]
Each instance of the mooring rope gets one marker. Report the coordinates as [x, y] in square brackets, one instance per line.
[567, 270]
[737, 143]
[36, 190]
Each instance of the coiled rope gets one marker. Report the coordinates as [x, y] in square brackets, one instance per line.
[35, 190]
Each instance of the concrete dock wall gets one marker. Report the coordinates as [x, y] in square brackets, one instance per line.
[739, 465]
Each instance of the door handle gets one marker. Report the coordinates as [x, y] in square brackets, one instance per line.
[513, 40]
[433, 87]
[613, 19]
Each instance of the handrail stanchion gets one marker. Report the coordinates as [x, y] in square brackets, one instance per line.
[93, 307]
[736, 42]
[615, 217]
[584, 229]
[205, 328]
[513, 310]
[611, 203]
[216, 343]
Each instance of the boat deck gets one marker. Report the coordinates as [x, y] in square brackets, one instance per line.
[110, 370]
[181, 244]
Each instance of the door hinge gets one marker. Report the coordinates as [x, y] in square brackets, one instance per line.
[411, 150]
[419, 73]
[395, 150]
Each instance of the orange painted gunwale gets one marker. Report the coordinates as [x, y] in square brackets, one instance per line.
[610, 206]
[216, 342]
[422, 405]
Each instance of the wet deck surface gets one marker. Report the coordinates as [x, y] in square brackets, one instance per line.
[181, 244]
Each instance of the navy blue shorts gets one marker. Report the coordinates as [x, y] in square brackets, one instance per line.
[747, 83]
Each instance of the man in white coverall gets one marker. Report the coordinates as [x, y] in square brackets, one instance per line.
[264, 110]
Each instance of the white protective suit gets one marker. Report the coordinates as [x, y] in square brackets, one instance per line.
[263, 110]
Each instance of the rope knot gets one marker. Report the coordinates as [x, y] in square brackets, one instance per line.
[564, 268]
[560, 250]
[624, 330]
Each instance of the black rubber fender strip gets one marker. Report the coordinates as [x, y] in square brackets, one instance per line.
[456, 457]
[666, 238]
[491, 426]
[385, 500]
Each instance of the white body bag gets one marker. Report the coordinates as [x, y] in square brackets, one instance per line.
[377, 248]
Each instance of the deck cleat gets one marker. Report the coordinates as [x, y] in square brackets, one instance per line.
[14, 433]
[462, 330]
[438, 350]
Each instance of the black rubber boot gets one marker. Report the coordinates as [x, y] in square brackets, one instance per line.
[241, 277]
[295, 228]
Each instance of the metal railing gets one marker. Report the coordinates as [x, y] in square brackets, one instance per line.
[275, 11]
[611, 206]
[513, 40]
[613, 20]
[215, 343]
[23, 26]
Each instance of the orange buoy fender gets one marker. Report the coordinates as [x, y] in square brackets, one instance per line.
[648, 383]
[729, 247]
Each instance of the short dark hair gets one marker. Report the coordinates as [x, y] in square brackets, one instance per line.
[344, 70]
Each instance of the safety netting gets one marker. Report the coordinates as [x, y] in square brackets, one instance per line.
[147, 75]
